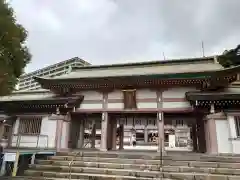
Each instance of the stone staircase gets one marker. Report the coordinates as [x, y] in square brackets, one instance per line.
[95, 165]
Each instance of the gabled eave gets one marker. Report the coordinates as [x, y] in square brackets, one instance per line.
[220, 77]
[41, 105]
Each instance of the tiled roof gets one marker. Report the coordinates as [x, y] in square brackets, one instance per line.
[146, 68]
[25, 96]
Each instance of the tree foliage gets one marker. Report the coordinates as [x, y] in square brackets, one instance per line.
[14, 54]
[230, 57]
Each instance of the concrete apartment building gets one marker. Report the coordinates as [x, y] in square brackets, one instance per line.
[27, 82]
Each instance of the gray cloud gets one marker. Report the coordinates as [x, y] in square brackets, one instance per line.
[110, 31]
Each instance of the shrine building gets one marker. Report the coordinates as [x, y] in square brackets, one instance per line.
[182, 105]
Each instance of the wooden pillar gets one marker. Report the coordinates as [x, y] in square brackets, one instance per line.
[1, 130]
[114, 134]
[10, 136]
[12, 122]
[145, 134]
[81, 134]
[194, 137]
[93, 134]
[110, 133]
[121, 137]
[201, 133]
[104, 131]
[160, 122]
[203, 136]
[74, 130]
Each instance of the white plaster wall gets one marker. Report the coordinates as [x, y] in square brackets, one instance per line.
[140, 105]
[65, 127]
[91, 96]
[46, 138]
[207, 136]
[224, 144]
[115, 106]
[91, 106]
[29, 141]
[147, 105]
[183, 104]
[232, 127]
[49, 128]
[115, 95]
[145, 94]
[140, 95]
[233, 139]
[177, 92]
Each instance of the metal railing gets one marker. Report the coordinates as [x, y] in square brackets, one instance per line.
[73, 159]
[161, 143]
[18, 146]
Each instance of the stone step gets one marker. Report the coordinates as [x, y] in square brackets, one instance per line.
[98, 164]
[156, 156]
[92, 170]
[50, 178]
[155, 165]
[140, 154]
[112, 160]
[81, 176]
[111, 154]
[165, 175]
[144, 171]
[141, 161]
[35, 178]
[131, 152]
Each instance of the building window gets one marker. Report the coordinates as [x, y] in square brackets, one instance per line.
[30, 126]
[129, 97]
[237, 125]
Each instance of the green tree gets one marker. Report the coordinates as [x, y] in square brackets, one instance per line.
[14, 54]
[230, 57]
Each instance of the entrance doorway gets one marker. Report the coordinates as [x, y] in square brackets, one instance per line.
[184, 132]
[140, 130]
[85, 131]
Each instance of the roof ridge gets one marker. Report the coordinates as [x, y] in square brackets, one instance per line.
[155, 62]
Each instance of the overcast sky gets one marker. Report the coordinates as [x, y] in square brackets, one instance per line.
[117, 31]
